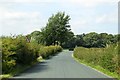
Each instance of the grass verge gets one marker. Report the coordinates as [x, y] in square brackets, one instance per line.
[98, 68]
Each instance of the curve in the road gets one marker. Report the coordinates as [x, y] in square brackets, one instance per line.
[61, 66]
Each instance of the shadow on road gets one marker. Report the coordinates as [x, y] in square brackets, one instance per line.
[35, 69]
[50, 57]
[39, 67]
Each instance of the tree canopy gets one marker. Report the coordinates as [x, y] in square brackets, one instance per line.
[57, 29]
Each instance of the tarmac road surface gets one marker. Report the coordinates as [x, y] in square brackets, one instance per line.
[62, 65]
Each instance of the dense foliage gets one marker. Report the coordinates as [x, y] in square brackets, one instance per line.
[104, 57]
[56, 31]
[18, 51]
[88, 40]
[92, 39]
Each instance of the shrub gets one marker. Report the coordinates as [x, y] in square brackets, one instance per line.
[8, 49]
[17, 51]
[46, 51]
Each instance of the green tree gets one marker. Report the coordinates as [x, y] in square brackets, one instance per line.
[70, 43]
[57, 29]
[79, 40]
[91, 39]
[36, 36]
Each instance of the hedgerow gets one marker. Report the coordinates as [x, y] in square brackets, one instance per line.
[18, 52]
[46, 51]
[104, 57]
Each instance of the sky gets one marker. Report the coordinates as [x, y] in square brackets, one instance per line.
[26, 16]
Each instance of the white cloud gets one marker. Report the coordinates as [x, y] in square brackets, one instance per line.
[107, 18]
[86, 3]
[26, 1]
[17, 22]
[91, 3]
[10, 14]
[20, 15]
[79, 23]
[74, 1]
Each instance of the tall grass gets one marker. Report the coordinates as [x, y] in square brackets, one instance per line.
[107, 57]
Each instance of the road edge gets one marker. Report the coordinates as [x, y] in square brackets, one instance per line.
[90, 66]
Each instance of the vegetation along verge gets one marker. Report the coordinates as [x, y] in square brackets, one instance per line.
[18, 54]
[103, 59]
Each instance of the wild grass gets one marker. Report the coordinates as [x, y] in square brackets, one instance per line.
[103, 59]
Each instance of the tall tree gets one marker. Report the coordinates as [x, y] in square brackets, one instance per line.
[57, 29]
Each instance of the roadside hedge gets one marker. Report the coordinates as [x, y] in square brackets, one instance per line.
[104, 57]
[47, 51]
[17, 52]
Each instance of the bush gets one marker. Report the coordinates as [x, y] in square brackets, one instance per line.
[8, 49]
[46, 51]
[105, 57]
[17, 51]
